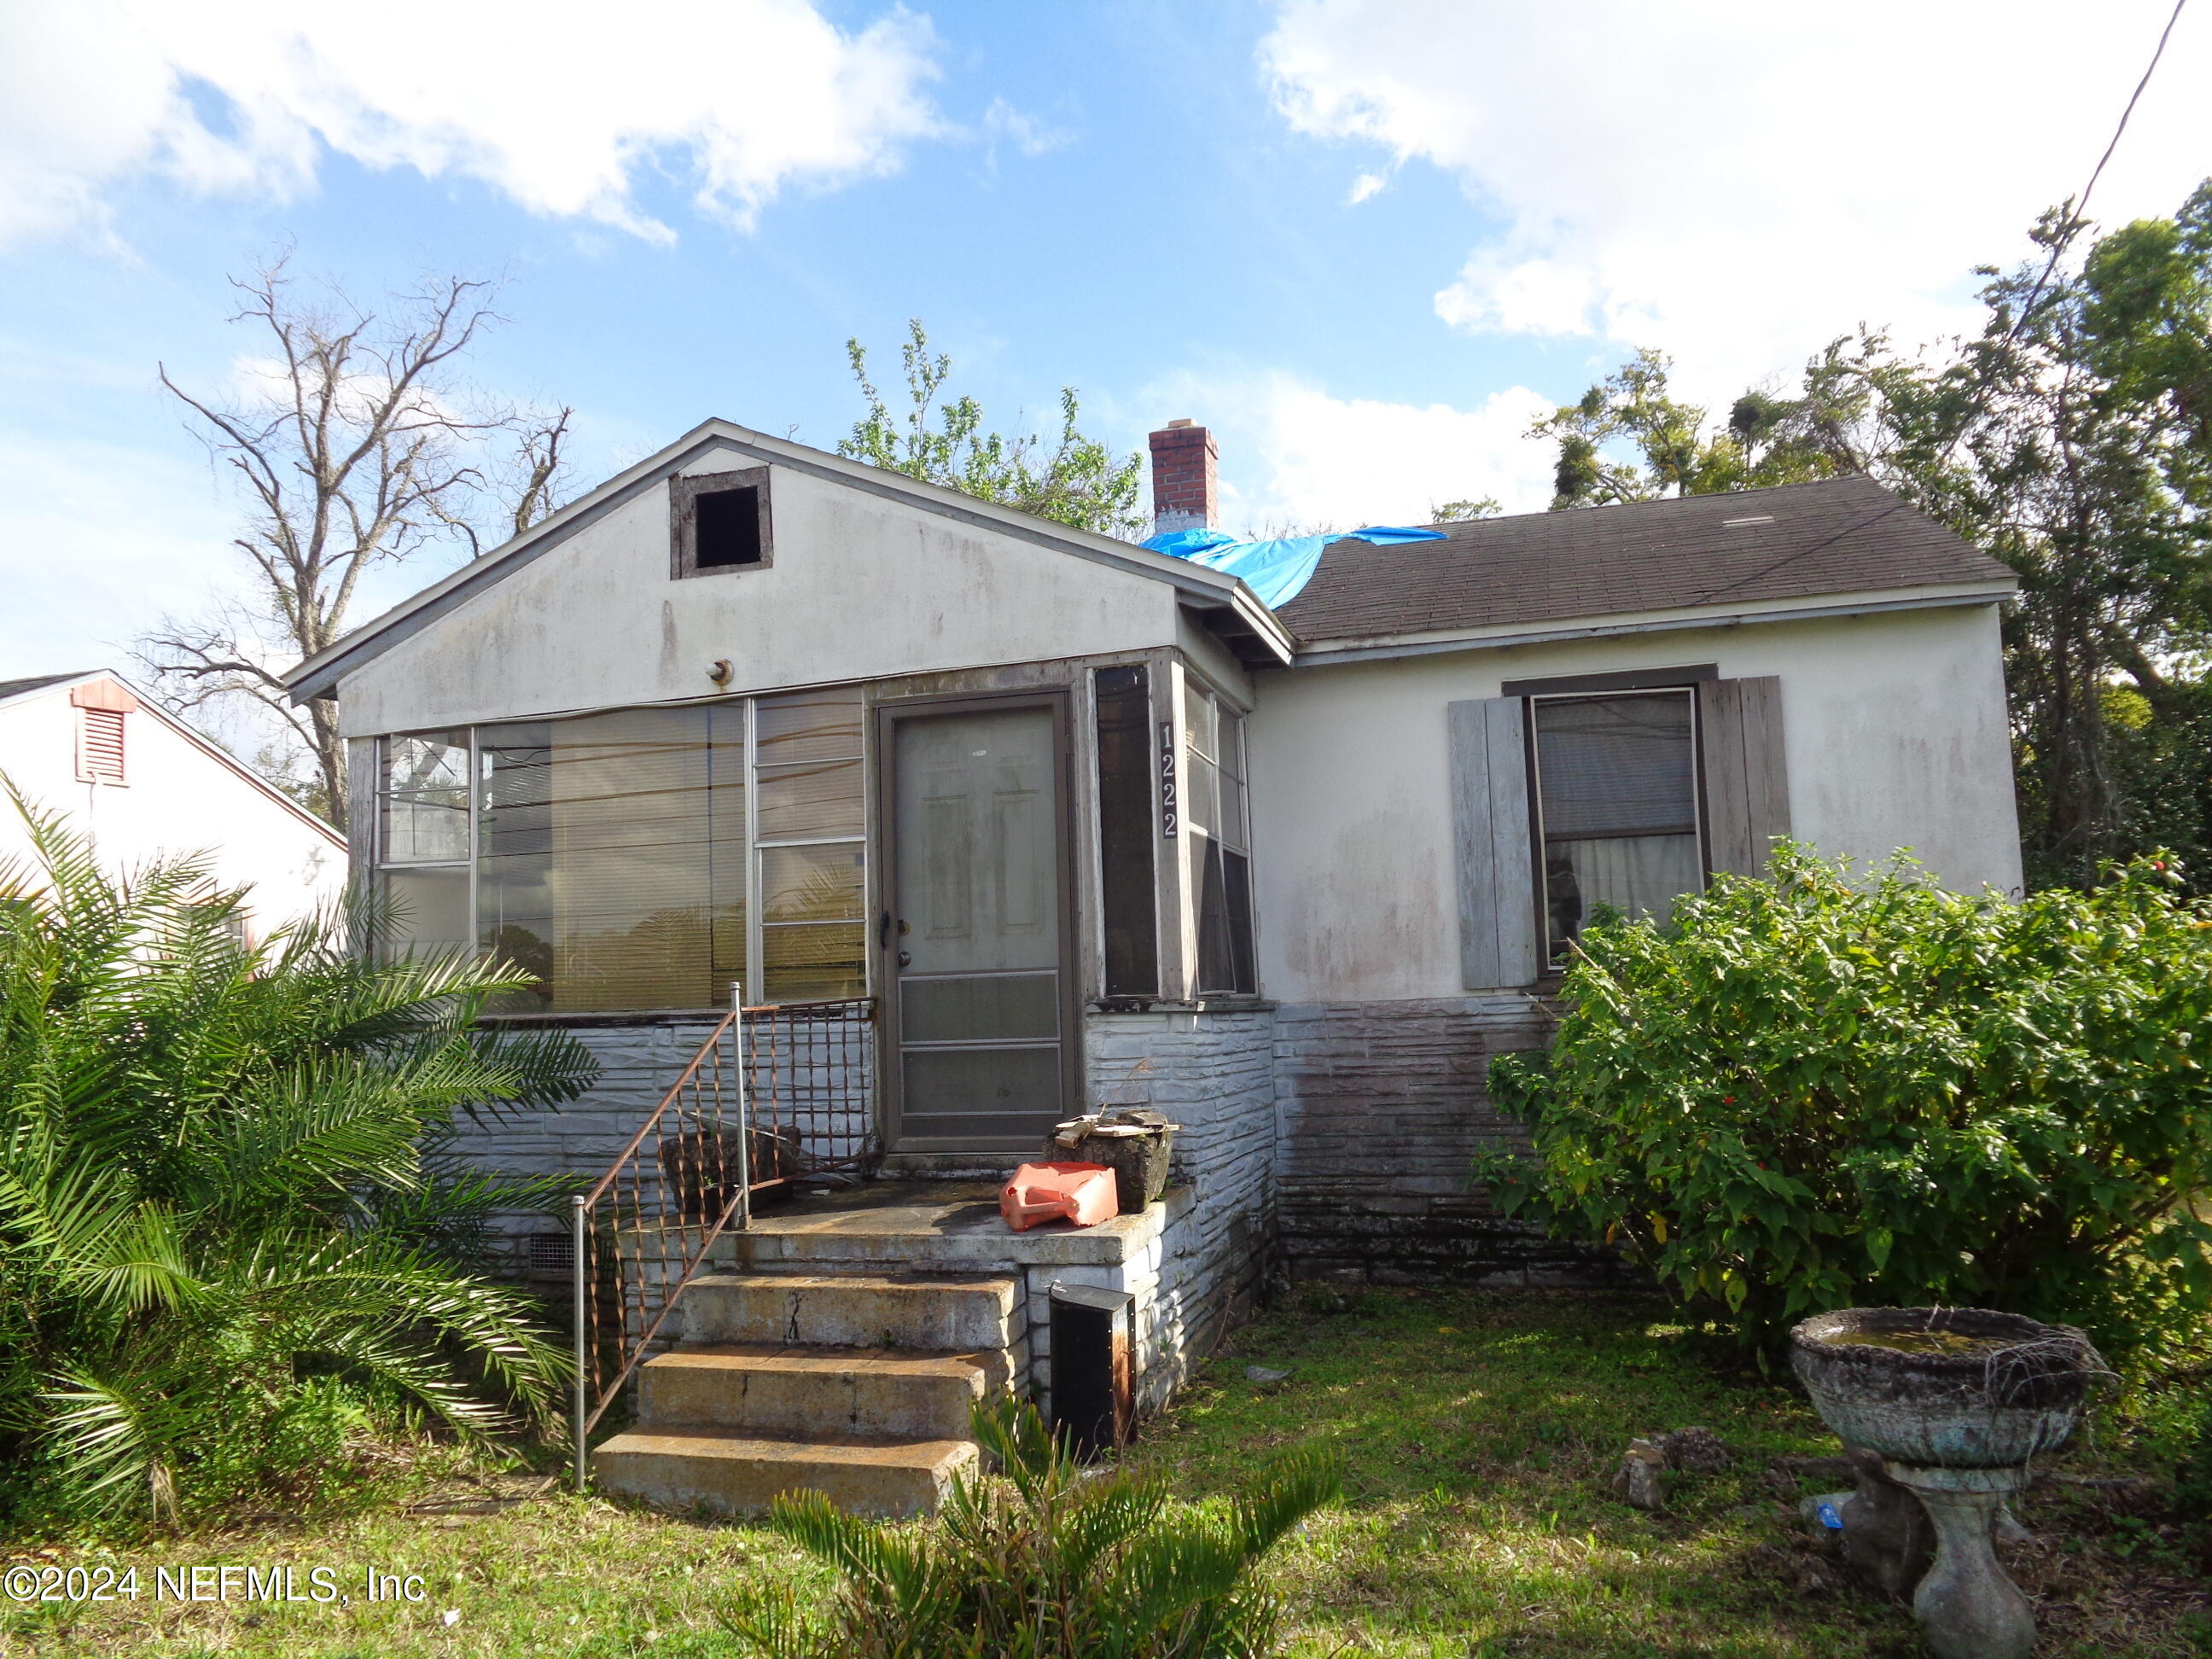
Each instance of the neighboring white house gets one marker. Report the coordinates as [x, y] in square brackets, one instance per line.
[146, 785]
[1085, 823]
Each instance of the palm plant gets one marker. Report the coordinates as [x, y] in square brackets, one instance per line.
[225, 1233]
[1048, 1560]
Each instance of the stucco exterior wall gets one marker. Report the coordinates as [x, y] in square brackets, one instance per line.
[1893, 727]
[860, 587]
[177, 798]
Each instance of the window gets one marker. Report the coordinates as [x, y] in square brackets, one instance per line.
[1213, 809]
[1617, 807]
[640, 859]
[100, 746]
[718, 521]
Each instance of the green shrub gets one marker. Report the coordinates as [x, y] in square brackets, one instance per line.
[228, 1237]
[1814, 1090]
[2192, 1478]
[1046, 1561]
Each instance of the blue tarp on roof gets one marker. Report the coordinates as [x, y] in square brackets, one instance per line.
[1274, 570]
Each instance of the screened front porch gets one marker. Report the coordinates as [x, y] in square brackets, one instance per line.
[983, 859]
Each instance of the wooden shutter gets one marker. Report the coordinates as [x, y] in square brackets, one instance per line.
[1495, 844]
[1746, 780]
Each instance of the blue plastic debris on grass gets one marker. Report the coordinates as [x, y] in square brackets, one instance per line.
[1274, 570]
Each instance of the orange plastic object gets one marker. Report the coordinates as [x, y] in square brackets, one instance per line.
[1082, 1193]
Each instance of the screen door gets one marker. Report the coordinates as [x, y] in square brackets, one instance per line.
[975, 931]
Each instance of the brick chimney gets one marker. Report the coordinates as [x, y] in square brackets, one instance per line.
[1183, 457]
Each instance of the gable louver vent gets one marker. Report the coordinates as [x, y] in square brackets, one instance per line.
[101, 708]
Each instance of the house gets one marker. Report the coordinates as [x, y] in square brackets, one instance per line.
[145, 785]
[1078, 822]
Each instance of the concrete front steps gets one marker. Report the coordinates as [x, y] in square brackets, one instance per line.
[856, 1386]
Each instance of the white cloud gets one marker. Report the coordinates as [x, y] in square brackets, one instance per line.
[1737, 181]
[1295, 456]
[1025, 132]
[561, 106]
[1365, 187]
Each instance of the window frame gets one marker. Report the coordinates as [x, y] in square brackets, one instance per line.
[683, 494]
[1579, 690]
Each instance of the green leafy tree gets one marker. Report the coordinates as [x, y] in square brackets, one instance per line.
[1767, 439]
[1824, 1089]
[1041, 1563]
[1079, 481]
[230, 1236]
[2070, 437]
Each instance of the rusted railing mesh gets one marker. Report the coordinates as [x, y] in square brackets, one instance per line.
[776, 1095]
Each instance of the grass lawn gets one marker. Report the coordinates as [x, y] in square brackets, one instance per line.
[1477, 1431]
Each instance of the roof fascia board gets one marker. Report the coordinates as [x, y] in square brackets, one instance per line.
[321, 673]
[1326, 654]
[1253, 615]
[207, 746]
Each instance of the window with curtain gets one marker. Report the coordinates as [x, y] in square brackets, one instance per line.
[1617, 801]
[1213, 809]
[642, 859]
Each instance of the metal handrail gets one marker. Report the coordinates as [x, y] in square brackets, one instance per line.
[652, 1204]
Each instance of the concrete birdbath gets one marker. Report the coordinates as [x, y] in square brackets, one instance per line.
[1958, 1401]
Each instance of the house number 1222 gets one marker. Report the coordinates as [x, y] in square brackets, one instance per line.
[1170, 815]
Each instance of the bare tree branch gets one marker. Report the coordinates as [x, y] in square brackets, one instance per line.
[354, 444]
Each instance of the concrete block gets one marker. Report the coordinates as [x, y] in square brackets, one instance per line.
[818, 1393]
[849, 1310]
[743, 1475]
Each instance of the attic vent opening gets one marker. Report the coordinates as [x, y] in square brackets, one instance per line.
[720, 521]
[730, 528]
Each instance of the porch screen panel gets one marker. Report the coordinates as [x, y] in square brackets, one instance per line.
[811, 783]
[611, 852]
[422, 838]
[1616, 782]
[1213, 804]
[1129, 888]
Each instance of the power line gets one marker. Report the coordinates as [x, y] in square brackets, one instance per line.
[2082, 202]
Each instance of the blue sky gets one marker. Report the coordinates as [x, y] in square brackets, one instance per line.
[1364, 241]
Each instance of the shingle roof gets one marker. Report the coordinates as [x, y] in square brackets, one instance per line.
[1838, 536]
[16, 688]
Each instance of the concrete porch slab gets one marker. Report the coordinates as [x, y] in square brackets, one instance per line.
[927, 1226]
